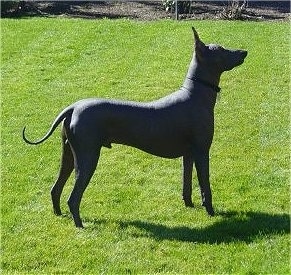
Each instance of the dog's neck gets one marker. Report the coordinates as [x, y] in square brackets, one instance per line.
[205, 83]
[203, 75]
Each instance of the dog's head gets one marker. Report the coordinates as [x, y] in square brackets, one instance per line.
[216, 57]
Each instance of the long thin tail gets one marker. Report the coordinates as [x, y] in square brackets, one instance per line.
[64, 114]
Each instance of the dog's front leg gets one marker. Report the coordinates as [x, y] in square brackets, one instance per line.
[201, 159]
[187, 180]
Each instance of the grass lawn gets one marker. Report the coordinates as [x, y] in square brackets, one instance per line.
[134, 216]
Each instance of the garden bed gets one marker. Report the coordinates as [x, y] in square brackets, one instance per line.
[149, 10]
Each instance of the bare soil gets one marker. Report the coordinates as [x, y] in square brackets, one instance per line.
[150, 10]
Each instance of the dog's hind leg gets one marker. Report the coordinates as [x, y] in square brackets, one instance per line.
[202, 168]
[85, 165]
[187, 180]
[67, 166]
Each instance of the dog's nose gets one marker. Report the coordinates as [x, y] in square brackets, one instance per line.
[244, 53]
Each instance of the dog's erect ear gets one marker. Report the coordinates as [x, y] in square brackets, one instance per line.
[197, 39]
[196, 36]
[199, 45]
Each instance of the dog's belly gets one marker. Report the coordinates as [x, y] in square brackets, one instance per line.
[155, 147]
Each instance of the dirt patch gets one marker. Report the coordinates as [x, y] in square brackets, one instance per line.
[149, 10]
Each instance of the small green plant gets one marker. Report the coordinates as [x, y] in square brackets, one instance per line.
[234, 10]
[168, 5]
[182, 6]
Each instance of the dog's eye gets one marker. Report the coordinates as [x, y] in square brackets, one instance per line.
[213, 47]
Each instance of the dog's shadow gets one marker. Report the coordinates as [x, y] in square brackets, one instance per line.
[232, 227]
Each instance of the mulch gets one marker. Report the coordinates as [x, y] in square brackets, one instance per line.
[149, 10]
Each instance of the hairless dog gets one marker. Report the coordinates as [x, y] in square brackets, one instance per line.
[178, 125]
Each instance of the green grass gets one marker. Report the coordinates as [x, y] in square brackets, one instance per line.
[134, 217]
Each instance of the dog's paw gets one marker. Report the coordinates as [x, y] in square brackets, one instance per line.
[188, 203]
[210, 211]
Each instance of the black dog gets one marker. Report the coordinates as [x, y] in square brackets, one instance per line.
[180, 124]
